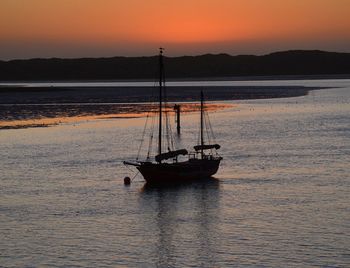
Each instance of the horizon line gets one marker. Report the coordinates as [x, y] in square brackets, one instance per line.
[196, 55]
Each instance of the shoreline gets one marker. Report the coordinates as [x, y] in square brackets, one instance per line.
[142, 94]
[117, 112]
[7, 83]
[22, 107]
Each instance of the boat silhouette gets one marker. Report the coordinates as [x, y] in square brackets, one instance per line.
[166, 167]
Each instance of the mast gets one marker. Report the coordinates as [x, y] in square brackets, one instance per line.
[160, 100]
[202, 111]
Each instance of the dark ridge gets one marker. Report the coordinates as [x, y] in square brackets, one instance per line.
[294, 62]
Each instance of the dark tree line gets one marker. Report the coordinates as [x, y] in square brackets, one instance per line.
[296, 62]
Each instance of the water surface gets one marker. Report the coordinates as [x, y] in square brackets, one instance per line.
[281, 197]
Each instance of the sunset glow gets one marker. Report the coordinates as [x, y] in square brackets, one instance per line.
[65, 28]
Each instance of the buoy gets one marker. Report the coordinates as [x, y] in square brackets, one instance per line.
[127, 180]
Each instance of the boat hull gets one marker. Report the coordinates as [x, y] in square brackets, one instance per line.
[165, 173]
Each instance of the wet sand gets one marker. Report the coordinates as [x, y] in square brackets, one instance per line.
[24, 116]
[46, 106]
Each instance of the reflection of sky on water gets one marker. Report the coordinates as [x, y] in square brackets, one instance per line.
[23, 116]
[282, 197]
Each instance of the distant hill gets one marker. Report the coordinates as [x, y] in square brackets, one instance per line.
[296, 62]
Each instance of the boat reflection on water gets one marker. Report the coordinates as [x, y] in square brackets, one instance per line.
[205, 181]
[191, 206]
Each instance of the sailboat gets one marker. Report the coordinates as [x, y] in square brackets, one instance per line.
[166, 167]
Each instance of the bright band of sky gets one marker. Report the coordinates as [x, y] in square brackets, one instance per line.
[82, 28]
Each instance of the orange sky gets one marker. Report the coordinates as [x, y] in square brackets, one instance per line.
[76, 28]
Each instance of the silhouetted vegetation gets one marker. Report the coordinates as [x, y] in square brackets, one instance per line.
[296, 62]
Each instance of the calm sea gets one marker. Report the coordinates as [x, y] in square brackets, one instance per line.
[280, 199]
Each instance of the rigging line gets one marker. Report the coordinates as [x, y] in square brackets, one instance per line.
[199, 132]
[170, 135]
[211, 129]
[151, 138]
[167, 130]
[150, 147]
[170, 132]
[211, 137]
[151, 107]
[137, 173]
[164, 131]
[153, 113]
[207, 126]
[143, 136]
[206, 129]
[128, 168]
[166, 112]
